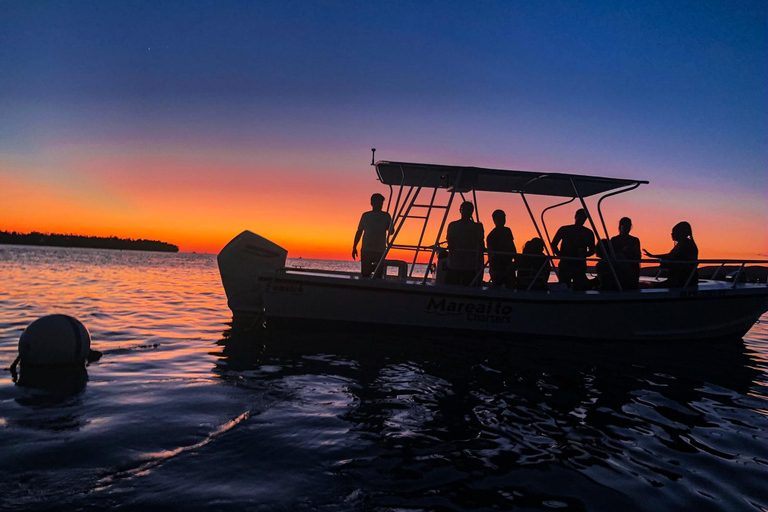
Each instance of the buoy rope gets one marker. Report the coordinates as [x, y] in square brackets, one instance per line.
[14, 375]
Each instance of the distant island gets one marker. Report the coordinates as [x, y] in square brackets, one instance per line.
[91, 242]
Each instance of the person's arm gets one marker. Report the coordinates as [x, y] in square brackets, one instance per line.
[591, 244]
[358, 234]
[657, 256]
[489, 245]
[482, 244]
[556, 242]
[678, 253]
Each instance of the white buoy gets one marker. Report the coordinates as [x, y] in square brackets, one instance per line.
[54, 340]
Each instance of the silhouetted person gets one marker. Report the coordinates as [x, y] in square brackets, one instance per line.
[685, 250]
[605, 279]
[373, 228]
[500, 240]
[628, 247]
[532, 264]
[574, 241]
[465, 247]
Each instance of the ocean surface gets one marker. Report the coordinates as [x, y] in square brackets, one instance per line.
[186, 411]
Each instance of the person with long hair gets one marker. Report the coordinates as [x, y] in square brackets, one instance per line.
[681, 260]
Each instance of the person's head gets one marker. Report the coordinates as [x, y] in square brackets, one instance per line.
[466, 209]
[682, 231]
[600, 248]
[534, 246]
[625, 225]
[377, 201]
[580, 218]
[499, 218]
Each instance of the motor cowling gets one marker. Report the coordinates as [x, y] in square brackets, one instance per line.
[241, 262]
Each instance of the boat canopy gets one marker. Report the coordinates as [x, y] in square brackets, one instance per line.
[465, 179]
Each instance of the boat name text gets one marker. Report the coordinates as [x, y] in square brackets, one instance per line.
[295, 288]
[261, 252]
[481, 311]
[702, 293]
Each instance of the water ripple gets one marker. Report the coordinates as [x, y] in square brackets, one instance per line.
[188, 410]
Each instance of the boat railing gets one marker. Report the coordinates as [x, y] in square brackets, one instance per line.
[549, 261]
[307, 270]
[695, 266]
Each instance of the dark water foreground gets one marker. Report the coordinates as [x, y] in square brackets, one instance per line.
[188, 411]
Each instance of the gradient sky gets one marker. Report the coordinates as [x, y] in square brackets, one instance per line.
[191, 121]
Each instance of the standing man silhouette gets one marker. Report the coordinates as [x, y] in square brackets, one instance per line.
[627, 247]
[500, 240]
[466, 245]
[373, 228]
[575, 241]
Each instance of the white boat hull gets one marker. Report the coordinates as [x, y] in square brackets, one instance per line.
[713, 311]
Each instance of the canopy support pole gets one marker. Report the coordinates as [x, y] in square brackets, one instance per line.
[606, 255]
[435, 247]
[423, 230]
[600, 212]
[544, 224]
[536, 225]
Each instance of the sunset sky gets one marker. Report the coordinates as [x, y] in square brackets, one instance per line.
[189, 122]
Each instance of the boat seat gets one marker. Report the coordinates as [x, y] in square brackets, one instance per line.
[400, 265]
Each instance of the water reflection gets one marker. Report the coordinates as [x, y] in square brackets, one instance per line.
[52, 398]
[242, 345]
[55, 381]
[477, 422]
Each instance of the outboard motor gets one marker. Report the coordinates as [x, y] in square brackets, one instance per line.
[241, 262]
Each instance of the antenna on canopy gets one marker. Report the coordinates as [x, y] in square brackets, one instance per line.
[373, 152]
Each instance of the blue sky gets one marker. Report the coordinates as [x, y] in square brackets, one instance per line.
[673, 92]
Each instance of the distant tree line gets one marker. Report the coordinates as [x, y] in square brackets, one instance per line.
[92, 242]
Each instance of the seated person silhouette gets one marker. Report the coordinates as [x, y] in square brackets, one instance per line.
[574, 241]
[373, 227]
[501, 245]
[627, 246]
[465, 248]
[686, 253]
[606, 280]
[532, 265]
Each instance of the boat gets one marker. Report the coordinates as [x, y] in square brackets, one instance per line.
[413, 294]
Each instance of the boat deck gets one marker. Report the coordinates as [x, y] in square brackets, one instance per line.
[648, 285]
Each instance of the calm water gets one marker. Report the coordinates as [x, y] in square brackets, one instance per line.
[187, 411]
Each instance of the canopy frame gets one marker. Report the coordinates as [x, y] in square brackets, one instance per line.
[412, 178]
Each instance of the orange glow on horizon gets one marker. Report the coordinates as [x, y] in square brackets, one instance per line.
[200, 206]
